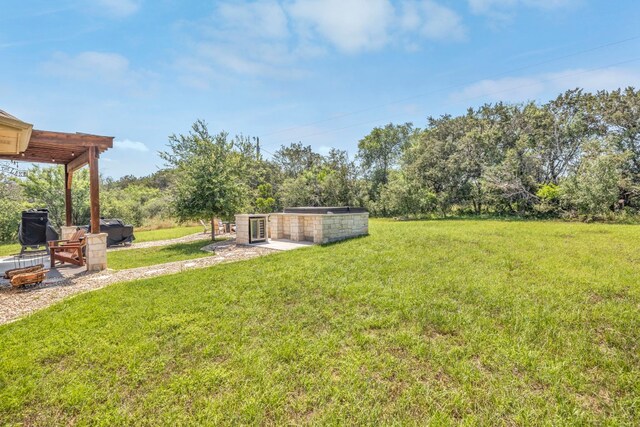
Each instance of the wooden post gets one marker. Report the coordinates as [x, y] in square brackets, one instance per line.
[94, 189]
[68, 208]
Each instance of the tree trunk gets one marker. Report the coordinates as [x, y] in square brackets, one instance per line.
[213, 228]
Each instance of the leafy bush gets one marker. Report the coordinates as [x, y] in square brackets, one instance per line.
[594, 188]
[134, 204]
[550, 196]
[10, 212]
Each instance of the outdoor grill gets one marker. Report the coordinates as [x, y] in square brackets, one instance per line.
[118, 233]
[35, 230]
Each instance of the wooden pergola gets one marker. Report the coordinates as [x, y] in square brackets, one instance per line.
[73, 150]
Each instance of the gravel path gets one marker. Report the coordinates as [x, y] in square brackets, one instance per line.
[16, 303]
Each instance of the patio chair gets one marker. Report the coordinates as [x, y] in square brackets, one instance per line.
[71, 251]
[204, 226]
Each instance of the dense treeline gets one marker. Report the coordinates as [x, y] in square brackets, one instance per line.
[139, 201]
[575, 156]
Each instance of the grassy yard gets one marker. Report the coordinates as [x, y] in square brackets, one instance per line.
[439, 322]
[9, 249]
[131, 258]
[141, 236]
[166, 233]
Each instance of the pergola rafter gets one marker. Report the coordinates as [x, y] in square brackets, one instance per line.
[72, 150]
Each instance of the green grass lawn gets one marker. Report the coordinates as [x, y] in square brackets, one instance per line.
[439, 322]
[9, 249]
[166, 233]
[141, 236]
[131, 258]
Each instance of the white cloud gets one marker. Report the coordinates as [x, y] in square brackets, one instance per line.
[432, 20]
[519, 89]
[263, 19]
[98, 67]
[350, 25]
[127, 144]
[272, 38]
[364, 25]
[119, 8]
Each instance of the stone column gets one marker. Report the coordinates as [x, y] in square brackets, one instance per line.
[297, 228]
[66, 231]
[242, 229]
[96, 251]
[276, 226]
[317, 229]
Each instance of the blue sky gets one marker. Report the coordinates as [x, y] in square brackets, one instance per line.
[323, 72]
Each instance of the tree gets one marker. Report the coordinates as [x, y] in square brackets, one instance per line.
[401, 197]
[620, 114]
[593, 188]
[295, 159]
[44, 188]
[380, 151]
[208, 183]
[265, 202]
[557, 131]
[134, 204]
[11, 206]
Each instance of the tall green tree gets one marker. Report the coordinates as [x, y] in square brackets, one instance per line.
[619, 111]
[11, 205]
[295, 159]
[208, 183]
[44, 188]
[593, 189]
[380, 152]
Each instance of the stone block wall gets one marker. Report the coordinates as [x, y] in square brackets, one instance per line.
[242, 227]
[286, 228]
[314, 228]
[318, 228]
[343, 226]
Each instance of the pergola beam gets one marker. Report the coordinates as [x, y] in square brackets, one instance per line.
[78, 162]
[94, 189]
[68, 206]
[73, 151]
[49, 138]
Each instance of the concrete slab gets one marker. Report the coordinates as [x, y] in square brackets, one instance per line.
[54, 275]
[14, 261]
[282, 245]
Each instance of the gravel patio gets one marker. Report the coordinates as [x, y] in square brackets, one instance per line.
[67, 281]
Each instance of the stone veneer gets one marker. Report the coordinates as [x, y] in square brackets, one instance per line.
[96, 251]
[242, 227]
[316, 228]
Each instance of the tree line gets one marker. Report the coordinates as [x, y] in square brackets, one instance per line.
[576, 156]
